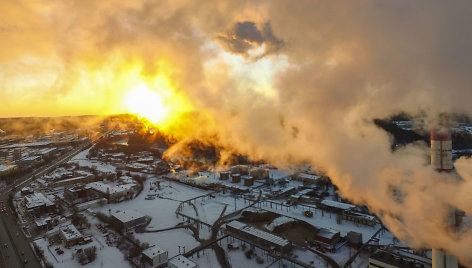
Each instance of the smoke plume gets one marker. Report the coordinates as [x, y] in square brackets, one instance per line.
[312, 77]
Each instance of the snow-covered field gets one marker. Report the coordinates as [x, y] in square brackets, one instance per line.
[106, 256]
[170, 240]
[82, 160]
[207, 259]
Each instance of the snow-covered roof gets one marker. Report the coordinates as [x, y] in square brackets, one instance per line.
[70, 232]
[153, 252]
[362, 215]
[31, 158]
[111, 189]
[279, 221]
[335, 204]
[308, 176]
[127, 215]
[181, 262]
[326, 233]
[72, 179]
[259, 233]
[46, 151]
[36, 200]
[4, 168]
[29, 144]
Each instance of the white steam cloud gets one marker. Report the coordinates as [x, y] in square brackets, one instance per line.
[345, 63]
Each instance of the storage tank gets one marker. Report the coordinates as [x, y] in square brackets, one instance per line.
[235, 178]
[248, 180]
[224, 176]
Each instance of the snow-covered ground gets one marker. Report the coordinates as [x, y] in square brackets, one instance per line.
[325, 220]
[170, 240]
[81, 159]
[207, 259]
[106, 256]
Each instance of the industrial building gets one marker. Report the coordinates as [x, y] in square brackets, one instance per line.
[181, 262]
[327, 238]
[334, 206]
[247, 232]
[154, 256]
[397, 259]
[358, 217]
[123, 220]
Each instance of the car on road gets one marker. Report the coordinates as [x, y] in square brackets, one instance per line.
[25, 261]
[22, 253]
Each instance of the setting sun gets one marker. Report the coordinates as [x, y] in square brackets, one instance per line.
[146, 103]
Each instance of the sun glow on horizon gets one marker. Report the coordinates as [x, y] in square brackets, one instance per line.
[146, 103]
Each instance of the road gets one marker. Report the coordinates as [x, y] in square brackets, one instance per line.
[14, 246]
[18, 246]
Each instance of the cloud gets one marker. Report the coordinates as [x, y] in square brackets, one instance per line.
[348, 64]
[246, 35]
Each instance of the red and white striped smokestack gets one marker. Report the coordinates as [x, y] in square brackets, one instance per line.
[441, 160]
[441, 146]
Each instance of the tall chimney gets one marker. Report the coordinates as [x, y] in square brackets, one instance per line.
[441, 160]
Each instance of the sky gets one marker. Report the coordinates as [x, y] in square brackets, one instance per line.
[286, 81]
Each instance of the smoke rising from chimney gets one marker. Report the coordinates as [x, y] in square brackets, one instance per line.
[348, 63]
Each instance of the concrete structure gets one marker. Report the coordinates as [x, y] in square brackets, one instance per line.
[127, 219]
[181, 262]
[71, 236]
[441, 160]
[154, 256]
[258, 237]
